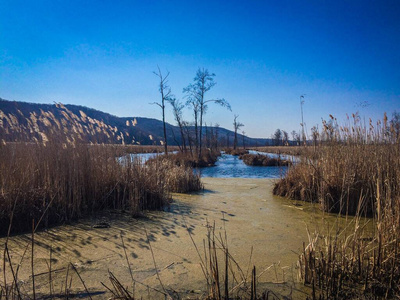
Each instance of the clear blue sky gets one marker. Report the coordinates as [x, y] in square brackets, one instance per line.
[265, 54]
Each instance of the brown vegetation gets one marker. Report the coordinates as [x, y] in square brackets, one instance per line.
[346, 173]
[236, 152]
[136, 149]
[61, 182]
[355, 171]
[179, 174]
[263, 160]
[207, 159]
[287, 150]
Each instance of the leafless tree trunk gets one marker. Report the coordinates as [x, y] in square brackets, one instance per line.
[165, 92]
[195, 92]
[177, 108]
[236, 126]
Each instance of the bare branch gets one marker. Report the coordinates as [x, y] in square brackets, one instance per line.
[156, 103]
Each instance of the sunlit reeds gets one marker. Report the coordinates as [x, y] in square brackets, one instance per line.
[207, 159]
[179, 174]
[62, 182]
[235, 152]
[353, 169]
[263, 160]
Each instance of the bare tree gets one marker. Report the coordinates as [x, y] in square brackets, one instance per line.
[209, 132]
[186, 126]
[177, 108]
[315, 134]
[236, 125]
[195, 93]
[165, 92]
[215, 137]
[193, 103]
[294, 136]
[277, 137]
[285, 138]
[395, 126]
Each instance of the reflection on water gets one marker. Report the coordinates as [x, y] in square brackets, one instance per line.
[229, 166]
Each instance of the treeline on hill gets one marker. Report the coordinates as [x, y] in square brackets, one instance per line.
[30, 122]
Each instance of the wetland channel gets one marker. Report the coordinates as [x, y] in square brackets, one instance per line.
[262, 230]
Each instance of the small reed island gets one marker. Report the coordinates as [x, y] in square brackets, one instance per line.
[263, 160]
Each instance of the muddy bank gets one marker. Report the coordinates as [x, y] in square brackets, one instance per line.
[273, 229]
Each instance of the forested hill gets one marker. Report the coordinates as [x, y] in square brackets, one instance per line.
[29, 122]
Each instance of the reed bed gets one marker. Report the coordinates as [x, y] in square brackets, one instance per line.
[236, 152]
[57, 183]
[179, 174]
[135, 149]
[354, 169]
[47, 184]
[187, 159]
[287, 150]
[263, 160]
[348, 170]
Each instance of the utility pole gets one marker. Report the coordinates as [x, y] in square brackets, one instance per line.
[302, 119]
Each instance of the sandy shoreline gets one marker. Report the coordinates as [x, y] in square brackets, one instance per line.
[255, 221]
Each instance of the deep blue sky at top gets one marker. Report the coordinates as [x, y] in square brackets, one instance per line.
[265, 54]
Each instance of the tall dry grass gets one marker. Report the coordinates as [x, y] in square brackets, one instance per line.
[52, 183]
[263, 160]
[235, 152]
[180, 176]
[135, 149]
[192, 160]
[353, 169]
[61, 182]
[347, 169]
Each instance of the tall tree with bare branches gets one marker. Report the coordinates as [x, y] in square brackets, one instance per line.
[236, 125]
[177, 109]
[196, 98]
[166, 95]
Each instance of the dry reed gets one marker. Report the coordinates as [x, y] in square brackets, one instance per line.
[354, 169]
[236, 152]
[207, 159]
[62, 182]
[263, 160]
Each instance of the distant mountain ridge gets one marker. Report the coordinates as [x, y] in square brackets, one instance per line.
[33, 122]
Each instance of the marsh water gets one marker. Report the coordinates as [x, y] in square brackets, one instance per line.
[230, 166]
[262, 230]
